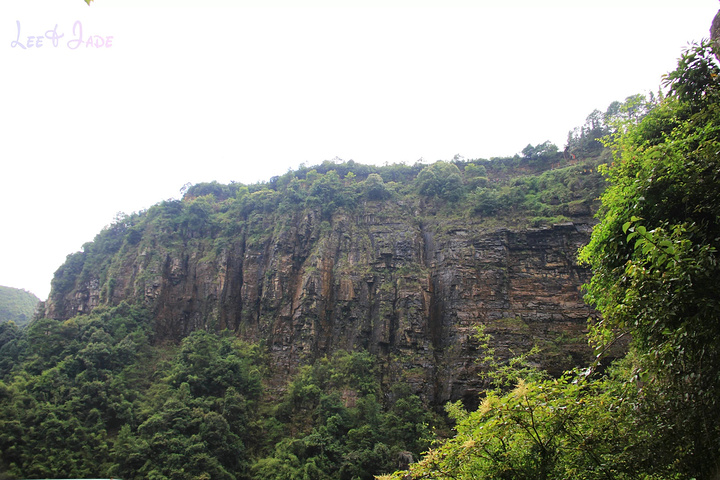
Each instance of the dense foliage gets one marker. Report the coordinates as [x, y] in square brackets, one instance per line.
[335, 424]
[91, 397]
[17, 305]
[70, 385]
[655, 258]
[530, 426]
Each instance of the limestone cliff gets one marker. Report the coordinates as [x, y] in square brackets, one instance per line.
[398, 277]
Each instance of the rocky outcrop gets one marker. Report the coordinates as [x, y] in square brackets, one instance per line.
[407, 285]
[715, 35]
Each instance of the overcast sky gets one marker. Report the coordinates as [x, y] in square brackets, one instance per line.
[242, 91]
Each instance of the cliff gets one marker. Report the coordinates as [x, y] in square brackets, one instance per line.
[406, 277]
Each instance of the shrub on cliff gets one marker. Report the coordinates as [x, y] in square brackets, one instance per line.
[441, 179]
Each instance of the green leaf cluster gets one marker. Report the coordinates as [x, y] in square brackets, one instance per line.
[655, 259]
[531, 426]
[201, 421]
[583, 425]
[65, 387]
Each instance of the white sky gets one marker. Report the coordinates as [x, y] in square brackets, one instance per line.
[246, 90]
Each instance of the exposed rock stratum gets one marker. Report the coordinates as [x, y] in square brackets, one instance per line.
[409, 286]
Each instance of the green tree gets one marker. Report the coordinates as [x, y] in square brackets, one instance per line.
[338, 429]
[441, 179]
[529, 426]
[542, 153]
[655, 262]
[328, 193]
[68, 389]
[201, 424]
[374, 187]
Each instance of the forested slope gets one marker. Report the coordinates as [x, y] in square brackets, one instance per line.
[17, 305]
[401, 261]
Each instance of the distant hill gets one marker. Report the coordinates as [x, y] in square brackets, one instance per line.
[17, 305]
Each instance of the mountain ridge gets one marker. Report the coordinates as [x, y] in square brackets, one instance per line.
[404, 262]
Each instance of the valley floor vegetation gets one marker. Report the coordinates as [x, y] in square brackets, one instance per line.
[92, 397]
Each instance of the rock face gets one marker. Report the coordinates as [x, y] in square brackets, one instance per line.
[410, 288]
[715, 34]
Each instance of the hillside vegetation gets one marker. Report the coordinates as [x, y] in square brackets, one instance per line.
[538, 189]
[17, 305]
